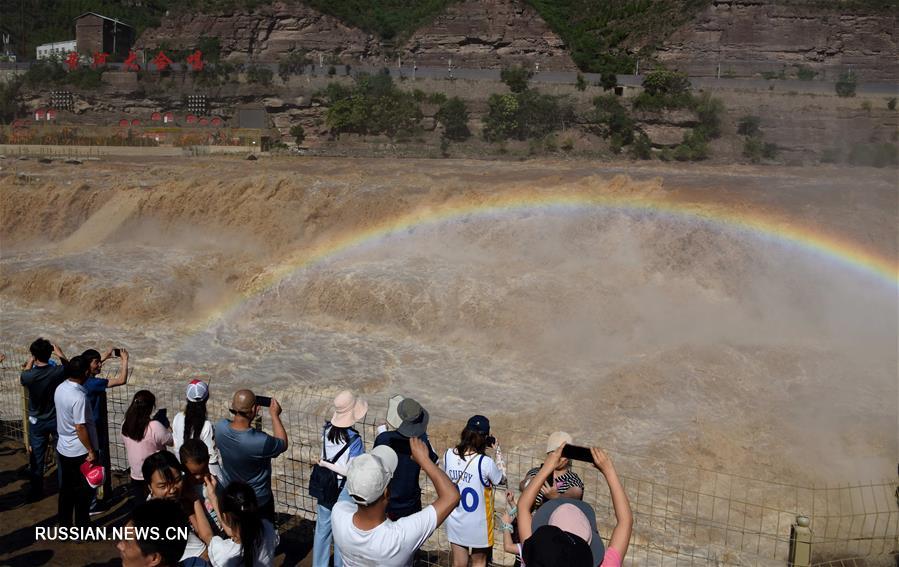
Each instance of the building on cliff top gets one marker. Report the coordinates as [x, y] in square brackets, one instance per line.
[95, 33]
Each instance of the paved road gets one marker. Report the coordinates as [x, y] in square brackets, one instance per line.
[563, 77]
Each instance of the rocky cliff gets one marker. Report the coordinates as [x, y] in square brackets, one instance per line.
[474, 33]
[762, 36]
[489, 34]
[266, 33]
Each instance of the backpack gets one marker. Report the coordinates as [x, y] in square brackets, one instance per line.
[323, 483]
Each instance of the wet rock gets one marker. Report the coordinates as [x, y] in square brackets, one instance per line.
[252, 157]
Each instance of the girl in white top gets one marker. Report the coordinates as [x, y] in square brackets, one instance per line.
[470, 527]
[248, 541]
[192, 423]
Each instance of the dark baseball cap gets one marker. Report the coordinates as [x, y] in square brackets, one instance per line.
[478, 423]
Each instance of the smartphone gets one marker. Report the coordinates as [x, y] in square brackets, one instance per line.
[491, 441]
[117, 352]
[263, 401]
[576, 453]
[401, 446]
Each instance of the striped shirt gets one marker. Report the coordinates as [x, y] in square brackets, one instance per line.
[565, 481]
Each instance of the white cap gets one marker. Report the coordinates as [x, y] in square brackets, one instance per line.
[369, 474]
[556, 439]
[197, 391]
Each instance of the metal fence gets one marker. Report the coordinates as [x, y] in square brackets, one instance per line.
[684, 515]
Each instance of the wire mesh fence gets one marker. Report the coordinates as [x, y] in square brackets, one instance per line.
[683, 515]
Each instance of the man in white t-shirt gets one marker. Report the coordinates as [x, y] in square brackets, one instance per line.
[362, 531]
[76, 443]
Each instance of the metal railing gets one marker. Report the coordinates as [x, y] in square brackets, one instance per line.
[684, 515]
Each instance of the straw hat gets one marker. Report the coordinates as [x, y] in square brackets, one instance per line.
[348, 409]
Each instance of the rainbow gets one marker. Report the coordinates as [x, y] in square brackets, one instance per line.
[760, 224]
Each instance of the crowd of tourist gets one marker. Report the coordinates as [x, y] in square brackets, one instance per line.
[216, 483]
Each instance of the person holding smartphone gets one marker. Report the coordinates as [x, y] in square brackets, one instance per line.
[143, 434]
[469, 528]
[246, 453]
[96, 387]
[563, 533]
[405, 491]
[563, 481]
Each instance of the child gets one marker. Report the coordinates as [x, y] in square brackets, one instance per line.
[248, 540]
[194, 454]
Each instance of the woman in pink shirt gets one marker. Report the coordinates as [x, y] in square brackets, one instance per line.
[567, 535]
[142, 436]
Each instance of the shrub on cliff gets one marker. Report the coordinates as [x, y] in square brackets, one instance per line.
[580, 83]
[709, 111]
[293, 63]
[9, 99]
[664, 89]
[453, 115]
[516, 78]
[695, 147]
[298, 133]
[874, 155]
[525, 115]
[612, 119]
[749, 125]
[259, 75]
[845, 85]
[372, 106]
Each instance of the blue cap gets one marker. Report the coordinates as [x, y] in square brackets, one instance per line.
[479, 423]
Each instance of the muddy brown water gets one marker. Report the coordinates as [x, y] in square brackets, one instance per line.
[682, 340]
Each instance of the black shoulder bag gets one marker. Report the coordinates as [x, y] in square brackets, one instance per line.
[323, 483]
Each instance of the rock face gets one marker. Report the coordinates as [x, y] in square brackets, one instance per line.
[489, 34]
[757, 36]
[266, 33]
[474, 33]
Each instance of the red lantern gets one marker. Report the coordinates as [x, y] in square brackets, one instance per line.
[156, 117]
[123, 122]
[191, 119]
[135, 122]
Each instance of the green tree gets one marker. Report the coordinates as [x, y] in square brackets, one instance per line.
[298, 133]
[292, 64]
[211, 48]
[579, 83]
[749, 126]
[516, 78]
[9, 99]
[259, 75]
[501, 122]
[709, 111]
[612, 119]
[666, 83]
[453, 115]
[372, 106]
[805, 73]
[608, 81]
[641, 148]
[845, 85]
